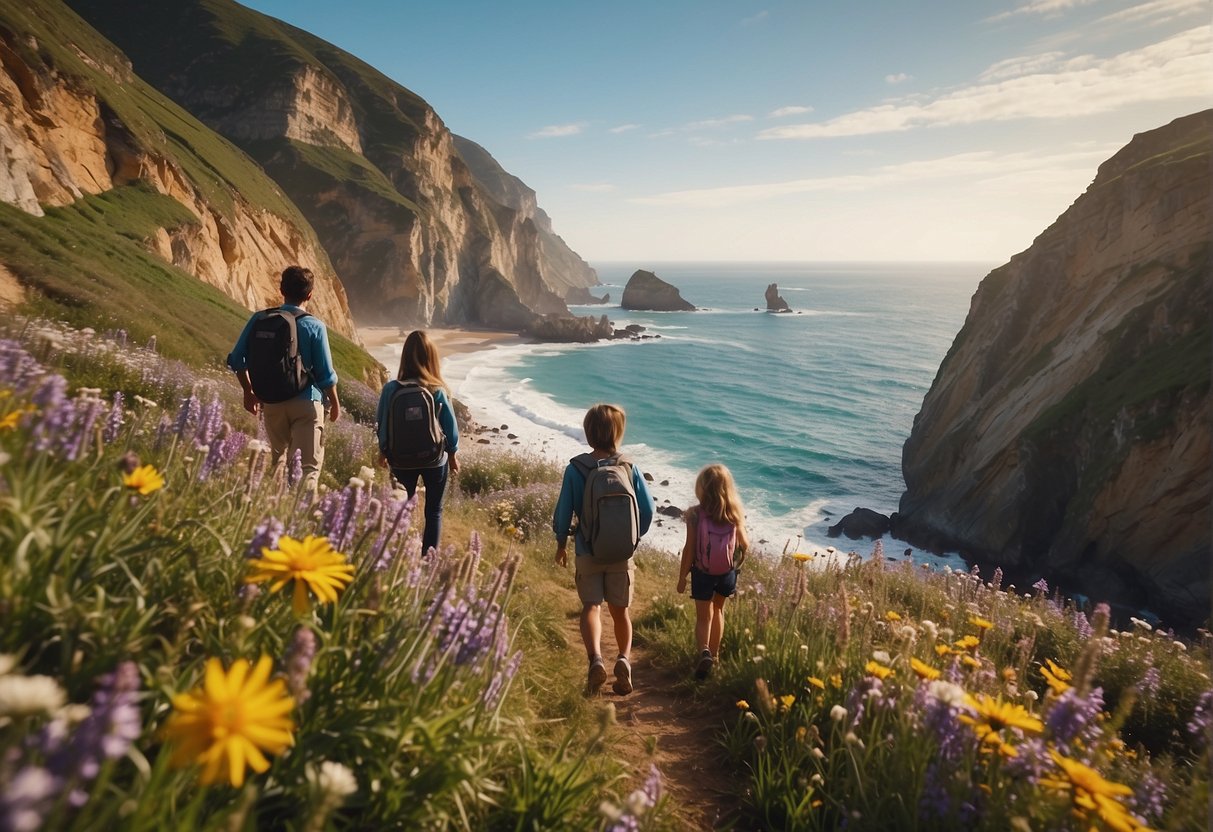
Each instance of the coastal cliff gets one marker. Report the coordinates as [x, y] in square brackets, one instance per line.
[415, 236]
[79, 128]
[1067, 434]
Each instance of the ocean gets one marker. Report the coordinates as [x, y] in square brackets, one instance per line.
[808, 409]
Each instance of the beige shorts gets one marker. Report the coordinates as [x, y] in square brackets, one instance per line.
[610, 582]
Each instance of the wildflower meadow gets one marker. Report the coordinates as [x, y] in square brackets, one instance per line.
[189, 641]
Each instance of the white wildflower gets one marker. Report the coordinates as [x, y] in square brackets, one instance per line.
[333, 780]
[30, 695]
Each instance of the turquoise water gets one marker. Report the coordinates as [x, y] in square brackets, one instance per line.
[809, 409]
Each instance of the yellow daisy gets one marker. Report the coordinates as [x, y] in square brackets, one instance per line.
[232, 721]
[991, 717]
[1057, 677]
[1091, 792]
[878, 670]
[310, 563]
[145, 479]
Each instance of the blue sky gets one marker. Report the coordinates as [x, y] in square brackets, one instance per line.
[746, 130]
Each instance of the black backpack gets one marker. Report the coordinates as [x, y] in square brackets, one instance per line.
[414, 436]
[275, 367]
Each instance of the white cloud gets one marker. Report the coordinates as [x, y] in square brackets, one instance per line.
[1177, 68]
[791, 110]
[897, 78]
[1157, 12]
[556, 131]
[1077, 165]
[1045, 8]
[1023, 65]
[716, 123]
[594, 187]
[624, 128]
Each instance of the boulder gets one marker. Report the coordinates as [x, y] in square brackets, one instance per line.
[564, 329]
[862, 522]
[648, 292]
[774, 302]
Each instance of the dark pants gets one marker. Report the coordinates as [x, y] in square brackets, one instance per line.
[435, 487]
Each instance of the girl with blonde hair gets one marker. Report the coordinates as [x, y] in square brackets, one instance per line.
[715, 546]
[419, 366]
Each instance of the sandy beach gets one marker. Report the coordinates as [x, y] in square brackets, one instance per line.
[460, 349]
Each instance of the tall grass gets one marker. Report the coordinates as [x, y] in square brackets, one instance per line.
[138, 513]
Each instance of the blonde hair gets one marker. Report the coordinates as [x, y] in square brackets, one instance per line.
[604, 425]
[419, 360]
[717, 495]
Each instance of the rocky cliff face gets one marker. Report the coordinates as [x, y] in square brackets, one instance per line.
[415, 237]
[1067, 433]
[646, 290]
[76, 121]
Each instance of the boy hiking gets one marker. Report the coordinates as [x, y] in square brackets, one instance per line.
[283, 362]
[418, 435]
[607, 493]
[715, 546]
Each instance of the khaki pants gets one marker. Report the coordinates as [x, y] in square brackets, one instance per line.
[297, 424]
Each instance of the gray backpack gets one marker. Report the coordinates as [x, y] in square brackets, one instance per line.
[610, 515]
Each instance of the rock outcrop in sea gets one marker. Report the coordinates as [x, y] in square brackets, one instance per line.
[646, 291]
[1067, 433]
[775, 303]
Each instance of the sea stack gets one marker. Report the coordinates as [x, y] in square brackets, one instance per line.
[774, 302]
[648, 292]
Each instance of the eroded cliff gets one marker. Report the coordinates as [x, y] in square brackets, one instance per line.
[414, 236]
[1067, 433]
[75, 122]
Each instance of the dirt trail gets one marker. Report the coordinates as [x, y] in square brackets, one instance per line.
[657, 723]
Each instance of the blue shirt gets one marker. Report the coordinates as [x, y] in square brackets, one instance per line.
[313, 349]
[572, 493]
[446, 418]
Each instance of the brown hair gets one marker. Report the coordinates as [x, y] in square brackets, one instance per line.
[717, 495]
[419, 360]
[296, 284]
[604, 425]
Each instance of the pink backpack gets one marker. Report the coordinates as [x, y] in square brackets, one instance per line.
[715, 544]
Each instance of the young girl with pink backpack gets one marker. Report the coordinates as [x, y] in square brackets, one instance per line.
[715, 547]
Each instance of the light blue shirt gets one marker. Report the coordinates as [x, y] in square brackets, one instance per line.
[313, 349]
[572, 493]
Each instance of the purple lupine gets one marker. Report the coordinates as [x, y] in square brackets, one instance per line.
[1072, 717]
[265, 536]
[1149, 799]
[113, 422]
[497, 685]
[187, 416]
[1150, 682]
[1202, 716]
[298, 661]
[107, 733]
[295, 474]
[27, 798]
[18, 367]
[401, 512]
[210, 422]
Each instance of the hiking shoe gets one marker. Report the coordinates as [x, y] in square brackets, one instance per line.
[705, 665]
[623, 676]
[597, 675]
